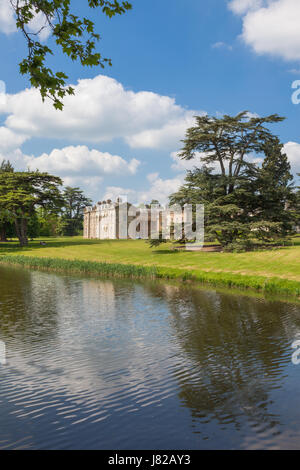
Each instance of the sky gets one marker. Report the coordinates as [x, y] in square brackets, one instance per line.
[172, 59]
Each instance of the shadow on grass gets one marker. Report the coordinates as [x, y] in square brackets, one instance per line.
[296, 240]
[50, 243]
[165, 252]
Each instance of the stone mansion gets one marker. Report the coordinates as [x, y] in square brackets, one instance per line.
[109, 220]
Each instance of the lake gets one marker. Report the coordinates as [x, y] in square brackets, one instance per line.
[117, 364]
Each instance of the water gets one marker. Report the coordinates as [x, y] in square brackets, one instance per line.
[101, 364]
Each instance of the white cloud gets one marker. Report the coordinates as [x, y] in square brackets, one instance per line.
[16, 158]
[9, 140]
[168, 136]
[39, 25]
[184, 165]
[243, 6]
[270, 26]
[292, 149]
[8, 22]
[101, 111]
[81, 161]
[221, 45]
[92, 185]
[152, 177]
[77, 166]
[159, 189]
[114, 192]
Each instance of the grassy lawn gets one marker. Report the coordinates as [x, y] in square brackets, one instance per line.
[281, 263]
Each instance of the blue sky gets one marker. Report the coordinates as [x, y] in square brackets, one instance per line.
[172, 59]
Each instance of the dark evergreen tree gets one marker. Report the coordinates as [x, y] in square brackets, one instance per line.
[6, 226]
[274, 196]
[22, 192]
[74, 204]
[243, 202]
[296, 208]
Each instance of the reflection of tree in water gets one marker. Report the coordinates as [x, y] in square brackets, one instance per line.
[39, 307]
[28, 305]
[234, 349]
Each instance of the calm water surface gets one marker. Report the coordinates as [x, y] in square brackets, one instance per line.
[122, 365]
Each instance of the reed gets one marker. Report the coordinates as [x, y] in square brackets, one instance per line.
[272, 285]
[81, 266]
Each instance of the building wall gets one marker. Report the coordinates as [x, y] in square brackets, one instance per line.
[102, 221]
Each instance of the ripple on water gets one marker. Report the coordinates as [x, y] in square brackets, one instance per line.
[102, 364]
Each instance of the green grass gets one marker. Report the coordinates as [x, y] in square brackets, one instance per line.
[79, 266]
[274, 271]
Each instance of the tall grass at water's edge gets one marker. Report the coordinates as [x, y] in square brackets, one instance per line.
[258, 283]
[80, 266]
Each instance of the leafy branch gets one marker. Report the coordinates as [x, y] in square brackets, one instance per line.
[74, 35]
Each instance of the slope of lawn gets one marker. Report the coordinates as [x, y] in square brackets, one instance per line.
[252, 269]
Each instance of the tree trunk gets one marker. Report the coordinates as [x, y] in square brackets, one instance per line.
[3, 233]
[21, 230]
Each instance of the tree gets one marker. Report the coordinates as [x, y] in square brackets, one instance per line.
[296, 207]
[48, 222]
[74, 204]
[274, 195]
[75, 36]
[33, 226]
[5, 225]
[6, 166]
[225, 142]
[154, 202]
[22, 192]
[201, 186]
[242, 201]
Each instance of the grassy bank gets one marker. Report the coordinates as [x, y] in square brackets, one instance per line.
[276, 271]
[79, 266]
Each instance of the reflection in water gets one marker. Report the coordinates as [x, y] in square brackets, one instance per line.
[235, 354]
[102, 364]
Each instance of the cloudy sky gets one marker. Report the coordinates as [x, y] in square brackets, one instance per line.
[121, 132]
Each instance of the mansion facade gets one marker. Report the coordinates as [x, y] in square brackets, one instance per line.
[110, 221]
